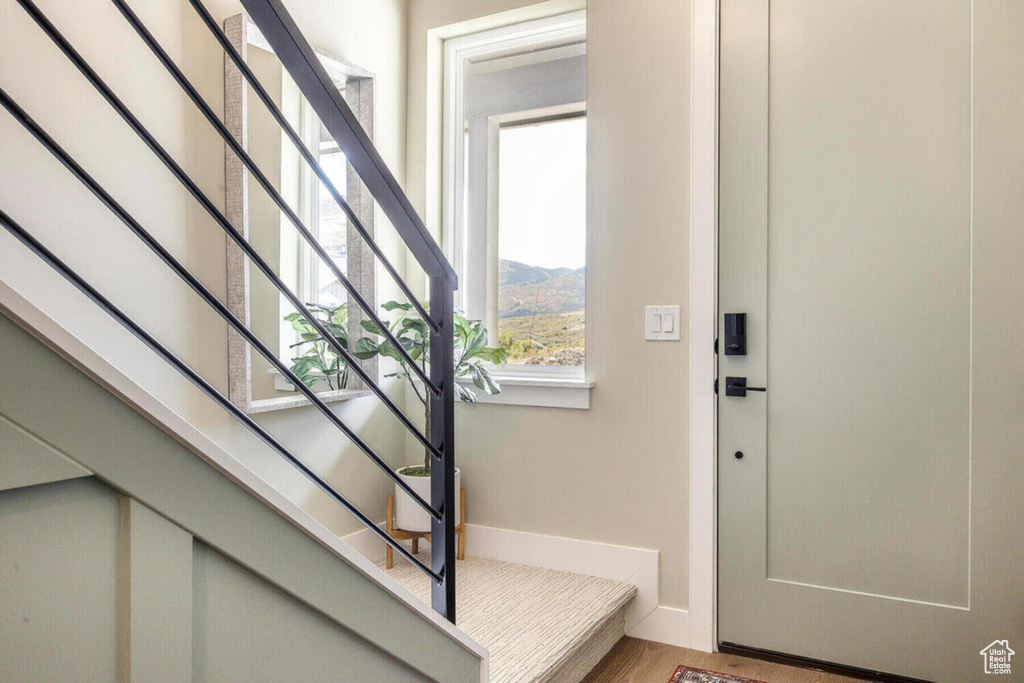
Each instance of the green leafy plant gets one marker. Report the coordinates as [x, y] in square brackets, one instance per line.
[320, 362]
[413, 333]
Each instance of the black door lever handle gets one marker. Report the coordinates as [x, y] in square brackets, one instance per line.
[737, 386]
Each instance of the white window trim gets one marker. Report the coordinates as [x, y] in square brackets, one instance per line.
[527, 384]
[309, 195]
[540, 392]
[458, 52]
[494, 125]
[291, 250]
[309, 202]
[307, 274]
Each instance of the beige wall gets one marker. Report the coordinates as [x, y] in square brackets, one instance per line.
[36, 191]
[615, 473]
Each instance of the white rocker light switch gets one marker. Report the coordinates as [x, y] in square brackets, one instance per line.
[662, 323]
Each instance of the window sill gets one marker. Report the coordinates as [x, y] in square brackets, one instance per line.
[540, 392]
[267, 405]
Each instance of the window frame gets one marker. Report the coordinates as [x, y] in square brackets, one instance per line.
[309, 204]
[459, 52]
[564, 30]
[295, 257]
[558, 112]
[309, 265]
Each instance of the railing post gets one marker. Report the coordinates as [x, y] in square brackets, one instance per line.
[442, 436]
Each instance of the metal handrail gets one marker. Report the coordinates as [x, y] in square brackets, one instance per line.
[300, 146]
[261, 178]
[71, 276]
[216, 214]
[76, 169]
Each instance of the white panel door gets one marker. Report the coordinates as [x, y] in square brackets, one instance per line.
[872, 232]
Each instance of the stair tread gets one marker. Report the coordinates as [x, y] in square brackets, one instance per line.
[531, 620]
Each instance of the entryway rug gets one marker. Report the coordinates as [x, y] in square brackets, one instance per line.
[688, 674]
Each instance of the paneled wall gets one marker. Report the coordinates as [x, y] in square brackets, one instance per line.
[98, 587]
[124, 556]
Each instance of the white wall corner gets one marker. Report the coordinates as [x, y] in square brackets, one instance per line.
[367, 544]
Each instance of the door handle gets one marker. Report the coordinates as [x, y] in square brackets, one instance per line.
[737, 386]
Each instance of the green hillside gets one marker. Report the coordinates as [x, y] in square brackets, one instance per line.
[541, 312]
[525, 290]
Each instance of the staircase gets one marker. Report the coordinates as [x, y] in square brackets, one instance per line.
[134, 548]
[539, 625]
[298, 58]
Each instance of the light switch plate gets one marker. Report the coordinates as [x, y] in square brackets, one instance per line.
[663, 323]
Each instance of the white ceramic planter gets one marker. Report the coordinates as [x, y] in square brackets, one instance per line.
[408, 514]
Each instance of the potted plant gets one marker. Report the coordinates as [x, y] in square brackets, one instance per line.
[471, 352]
[320, 363]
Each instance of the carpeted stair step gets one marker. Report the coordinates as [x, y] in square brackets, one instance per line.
[540, 625]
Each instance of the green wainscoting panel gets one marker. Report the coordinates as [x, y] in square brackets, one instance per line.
[161, 568]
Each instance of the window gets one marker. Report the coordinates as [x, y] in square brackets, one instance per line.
[322, 215]
[328, 222]
[514, 203]
[254, 384]
[542, 247]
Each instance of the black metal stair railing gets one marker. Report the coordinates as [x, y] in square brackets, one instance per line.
[265, 183]
[71, 276]
[51, 145]
[300, 61]
[211, 208]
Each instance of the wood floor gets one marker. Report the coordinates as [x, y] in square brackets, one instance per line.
[641, 661]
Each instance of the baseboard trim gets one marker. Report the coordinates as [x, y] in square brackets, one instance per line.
[645, 618]
[669, 625]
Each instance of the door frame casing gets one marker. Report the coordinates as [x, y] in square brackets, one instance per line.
[702, 589]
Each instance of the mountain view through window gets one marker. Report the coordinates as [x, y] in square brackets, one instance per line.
[542, 242]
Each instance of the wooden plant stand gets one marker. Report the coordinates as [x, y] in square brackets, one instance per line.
[403, 535]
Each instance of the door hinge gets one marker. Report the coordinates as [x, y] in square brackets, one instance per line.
[716, 386]
[716, 346]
